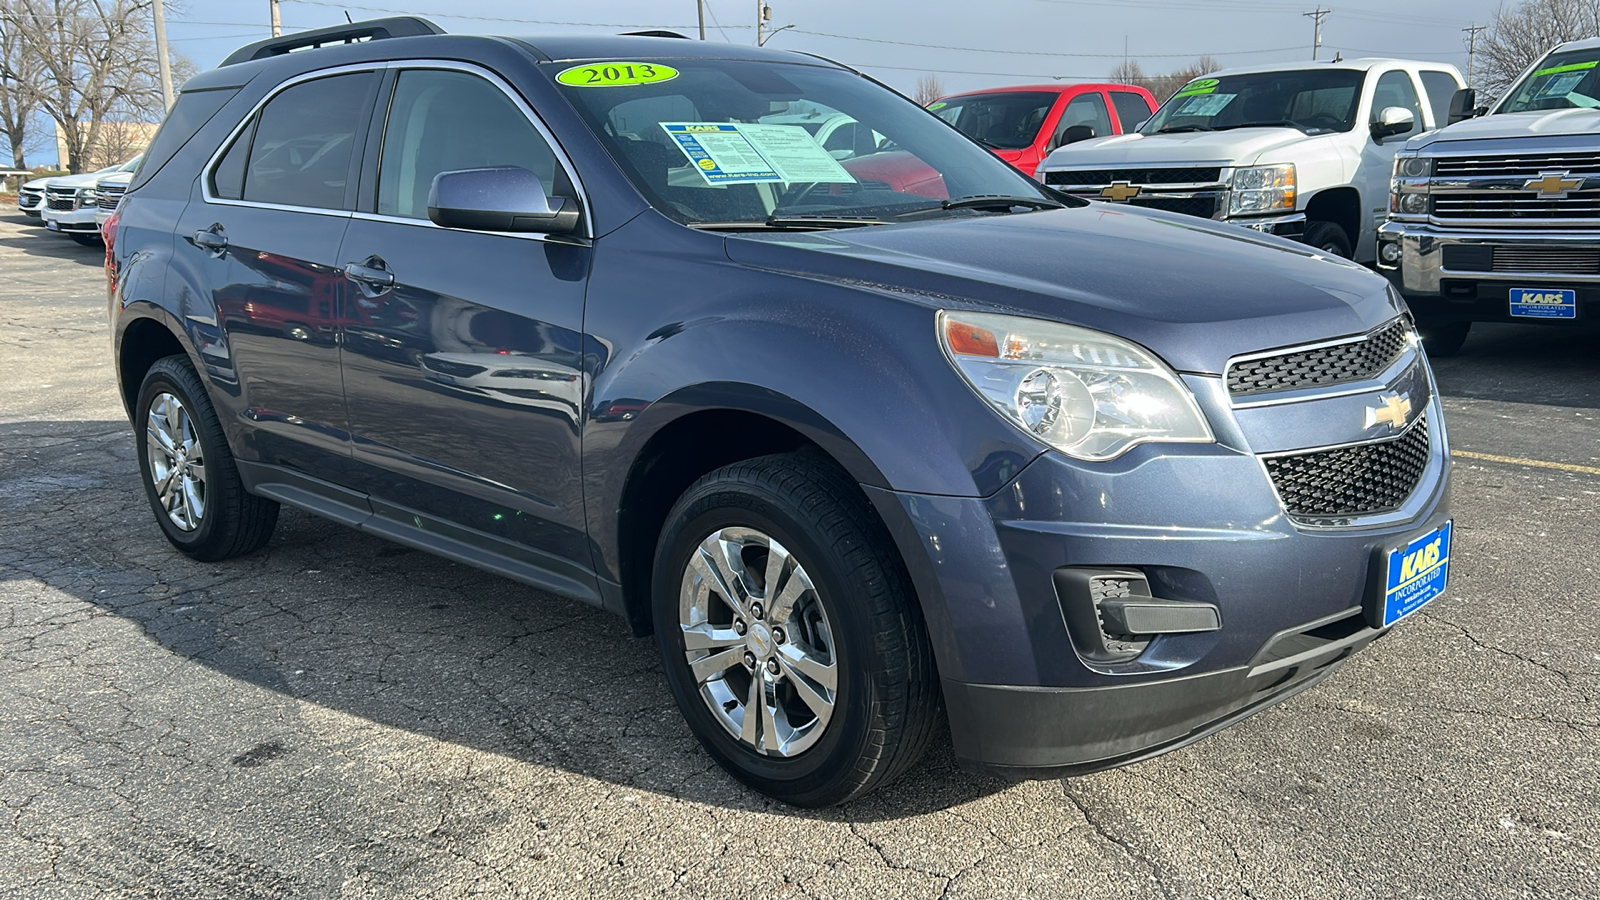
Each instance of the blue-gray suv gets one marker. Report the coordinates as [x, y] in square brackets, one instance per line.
[868, 429]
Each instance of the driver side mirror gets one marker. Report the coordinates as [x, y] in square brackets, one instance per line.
[1392, 121]
[1464, 105]
[1073, 134]
[507, 198]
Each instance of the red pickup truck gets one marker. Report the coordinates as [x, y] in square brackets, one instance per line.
[1023, 124]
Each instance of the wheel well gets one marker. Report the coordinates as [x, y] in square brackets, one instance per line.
[1342, 207]
[144, 342]
[674, 458]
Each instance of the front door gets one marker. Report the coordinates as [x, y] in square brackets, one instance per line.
[1392, 89]
[462, 363]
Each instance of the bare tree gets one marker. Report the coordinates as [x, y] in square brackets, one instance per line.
[18, 75]
[1519, 36]
[1164, 86]
[94, 58]
[1130, 72]
[928, 89]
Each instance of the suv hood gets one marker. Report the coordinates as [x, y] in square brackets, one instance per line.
[74, 180]
[1548, 123]
[1195, 292]
[1242, 146]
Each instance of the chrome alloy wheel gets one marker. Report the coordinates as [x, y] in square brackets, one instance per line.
[177, 467]
[758, 642]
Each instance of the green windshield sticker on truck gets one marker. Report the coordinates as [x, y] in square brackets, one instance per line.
[616, 74]
[937, 106]
[1202, 86]
[1575, 67]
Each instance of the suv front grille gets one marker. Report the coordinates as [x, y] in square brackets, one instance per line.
[62, 200]
[1355, 360]
[1348, 482]
[1102, 177]
[29, 199]
[110, 194]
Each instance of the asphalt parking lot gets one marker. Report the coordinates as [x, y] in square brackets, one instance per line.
[339, 716]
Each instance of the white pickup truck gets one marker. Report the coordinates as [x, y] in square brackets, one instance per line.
[1497, 218]
[1303, 150]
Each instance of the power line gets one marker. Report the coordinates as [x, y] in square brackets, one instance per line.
[849, 37]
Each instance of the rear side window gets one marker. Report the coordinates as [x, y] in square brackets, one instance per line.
[304, 137]
[442, 121]
[1087, 110]
[1441, 88]
[1132, 109]
[192, 111]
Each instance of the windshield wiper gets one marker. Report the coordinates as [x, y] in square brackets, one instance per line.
[999, 201]
[798, 222]
[1277, 123]
[1178, 129]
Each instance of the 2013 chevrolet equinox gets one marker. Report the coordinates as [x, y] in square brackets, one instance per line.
[853, 429]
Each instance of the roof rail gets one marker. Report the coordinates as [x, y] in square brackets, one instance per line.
[655, 33]
[371, 29]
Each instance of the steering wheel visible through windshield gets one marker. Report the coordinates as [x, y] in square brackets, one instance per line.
[1564, 81]
[1316, 101]
[731, 143]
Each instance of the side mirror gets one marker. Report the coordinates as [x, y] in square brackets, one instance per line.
[508, 198]
[1392, 121]
[1464, 105]
[1075, 133]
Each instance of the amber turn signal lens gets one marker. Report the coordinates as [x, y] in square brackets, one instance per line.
[970, 340]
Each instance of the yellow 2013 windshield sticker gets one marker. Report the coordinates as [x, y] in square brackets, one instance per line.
[616, 74]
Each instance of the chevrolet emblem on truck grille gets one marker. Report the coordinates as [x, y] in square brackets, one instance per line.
[1553, 185]
[1120, 192]
[1394, 411]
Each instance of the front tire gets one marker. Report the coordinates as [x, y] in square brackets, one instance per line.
[188, 471]
[790, 635]
[1329, 238]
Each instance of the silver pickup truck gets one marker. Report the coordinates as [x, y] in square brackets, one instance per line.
[1497, 218]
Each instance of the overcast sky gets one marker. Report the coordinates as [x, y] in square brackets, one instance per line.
[1002, 41]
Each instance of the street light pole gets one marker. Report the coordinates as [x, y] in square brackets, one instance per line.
[163, 63]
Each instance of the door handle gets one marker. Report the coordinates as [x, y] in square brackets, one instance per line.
[211, 240]
[369, 275]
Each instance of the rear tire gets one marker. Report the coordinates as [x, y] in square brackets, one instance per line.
[840, 610]
[1329, 238]
[1441, 339]
[188, 471]
[87, 240]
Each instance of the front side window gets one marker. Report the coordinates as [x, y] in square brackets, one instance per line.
[303, 140]
[1394, 89]
[1086, 111]
[1009, 121]
[1316, 101]
[734, 143]
[442, 121]
[1562, 81]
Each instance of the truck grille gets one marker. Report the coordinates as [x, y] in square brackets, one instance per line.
[110, 194]
[1515, 205]
[1204, 207]
[1550, 260]
[1103, 177]
[1347, 482]
[1355, 360]
[61, 200]
[1531, 166]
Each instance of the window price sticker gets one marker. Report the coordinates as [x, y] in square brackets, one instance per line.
[738, 153]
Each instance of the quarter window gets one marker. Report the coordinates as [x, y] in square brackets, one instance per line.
[304, 138]
[443, 121]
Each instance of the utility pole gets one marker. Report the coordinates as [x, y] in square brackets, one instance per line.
[1472, 47]
[277, 20]
[1316, 40]
[162, 61]
[700, 7]
[763, 12]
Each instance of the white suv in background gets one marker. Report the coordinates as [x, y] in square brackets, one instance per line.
[71, 202]
[1303, 150]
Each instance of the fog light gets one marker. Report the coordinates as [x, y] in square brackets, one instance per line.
[1390, 252]
[1414, 204]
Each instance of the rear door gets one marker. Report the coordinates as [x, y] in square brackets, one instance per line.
[1132, 110]
[263, 239]
[463, 349]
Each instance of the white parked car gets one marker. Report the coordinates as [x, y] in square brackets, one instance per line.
[1303, 150]
[71, 202]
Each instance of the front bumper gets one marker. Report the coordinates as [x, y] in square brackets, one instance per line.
[77, 221]
[1204, 525]
[1419, 267]
[1291, 226]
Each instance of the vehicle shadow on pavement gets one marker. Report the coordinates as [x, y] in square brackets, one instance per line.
[39, 241]
[1540, 364]
[329, 616]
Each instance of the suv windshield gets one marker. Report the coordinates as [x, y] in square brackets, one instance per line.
[1563, 81]
[1316, 101]
[1009, 121]
[726, 142]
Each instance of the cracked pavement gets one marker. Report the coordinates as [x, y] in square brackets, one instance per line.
[340, 717]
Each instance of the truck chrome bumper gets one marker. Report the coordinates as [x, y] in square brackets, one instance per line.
[1414, 254]
[1290, 226]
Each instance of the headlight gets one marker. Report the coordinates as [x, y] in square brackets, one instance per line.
[1408, 190]
[1411, 167]
[1262, 189]
[88, 194]
[1090, 395]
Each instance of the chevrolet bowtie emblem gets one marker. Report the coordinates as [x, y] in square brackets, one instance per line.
[1394, 411]
[1120, 192]
[1553, 185]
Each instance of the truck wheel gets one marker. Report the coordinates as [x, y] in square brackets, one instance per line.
[1329, 238]
[789, 632]
[189, 476]
[1442, 338]
[86, 240]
